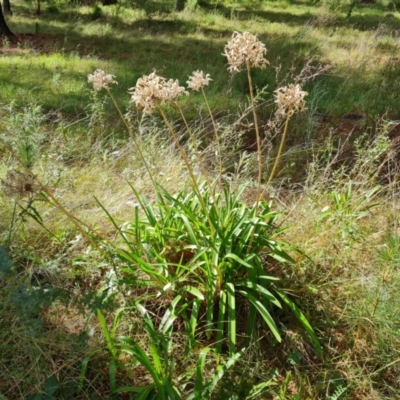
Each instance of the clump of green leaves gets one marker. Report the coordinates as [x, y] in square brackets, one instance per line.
[196, 266]
[24, 131]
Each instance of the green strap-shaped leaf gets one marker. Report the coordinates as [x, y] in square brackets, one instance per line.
[112, 369]
[85, 362]
[221, 320]
[146, 267]
[117, 320]
[195, 292]
[172, 391]
[198, 386]
[133, 389]
[212, 281]
[257, 390]
[170, 315]
[148, 323]
[189, 228]
[239, 260]
[147, 393]
[231, 301]
[260, 290]
[251, 321]
[263, 311]
[143, 359]
[302, 319]
[106, 332]
[156, 359]
[194, 317]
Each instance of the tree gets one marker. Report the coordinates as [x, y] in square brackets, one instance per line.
[4, 29]
[7, 7]
[180, 5]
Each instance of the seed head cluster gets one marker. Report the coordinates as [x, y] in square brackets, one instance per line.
[245, 50]
[153, 90]
[20, 184]
[290, 99]
[171, 91]
[198, 80]
[101, 80]
[242, 51]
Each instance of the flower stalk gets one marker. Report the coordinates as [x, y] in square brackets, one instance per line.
[289, 100]
[101, 80]
[258, 138]
[278, 156]
[247, 51]
[78, 223]
[198, 154]
[215, 135]
[188, 166]
[135, 141]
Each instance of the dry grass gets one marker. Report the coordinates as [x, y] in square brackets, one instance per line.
[347, 286]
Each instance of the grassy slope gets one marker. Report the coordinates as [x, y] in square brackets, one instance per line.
[350, 290]
[130, 43]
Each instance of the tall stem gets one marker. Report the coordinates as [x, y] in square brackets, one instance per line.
[278, 156]
[78, 224]
[259, 155]
[198, 155]
[189, 167]
[132, 136]
[216, 136]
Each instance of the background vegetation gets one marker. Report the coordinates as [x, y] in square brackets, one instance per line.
[104, 278]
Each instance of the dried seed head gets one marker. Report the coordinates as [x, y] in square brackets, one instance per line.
[245, 50]
[290, 99]
[152, 90]
[147, 91]
[171, 91]
[198, 80]
[20, 184]
[101, 80]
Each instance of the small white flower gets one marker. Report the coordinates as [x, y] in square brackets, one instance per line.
[101, 80]
[152, 90]
[198, 80]
[245, 50]
[290, 99]
[171, 91]
[146, 92]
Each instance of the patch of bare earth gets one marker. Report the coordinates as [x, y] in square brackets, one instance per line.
[25, 43]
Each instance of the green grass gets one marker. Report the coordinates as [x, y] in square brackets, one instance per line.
[135, 42]
[70, 322]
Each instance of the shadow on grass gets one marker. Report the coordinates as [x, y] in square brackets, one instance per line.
[130, 51]
[37, 346]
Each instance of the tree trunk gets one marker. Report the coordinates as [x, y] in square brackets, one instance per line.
[180, 5]
[7, 7]
[4, 29]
